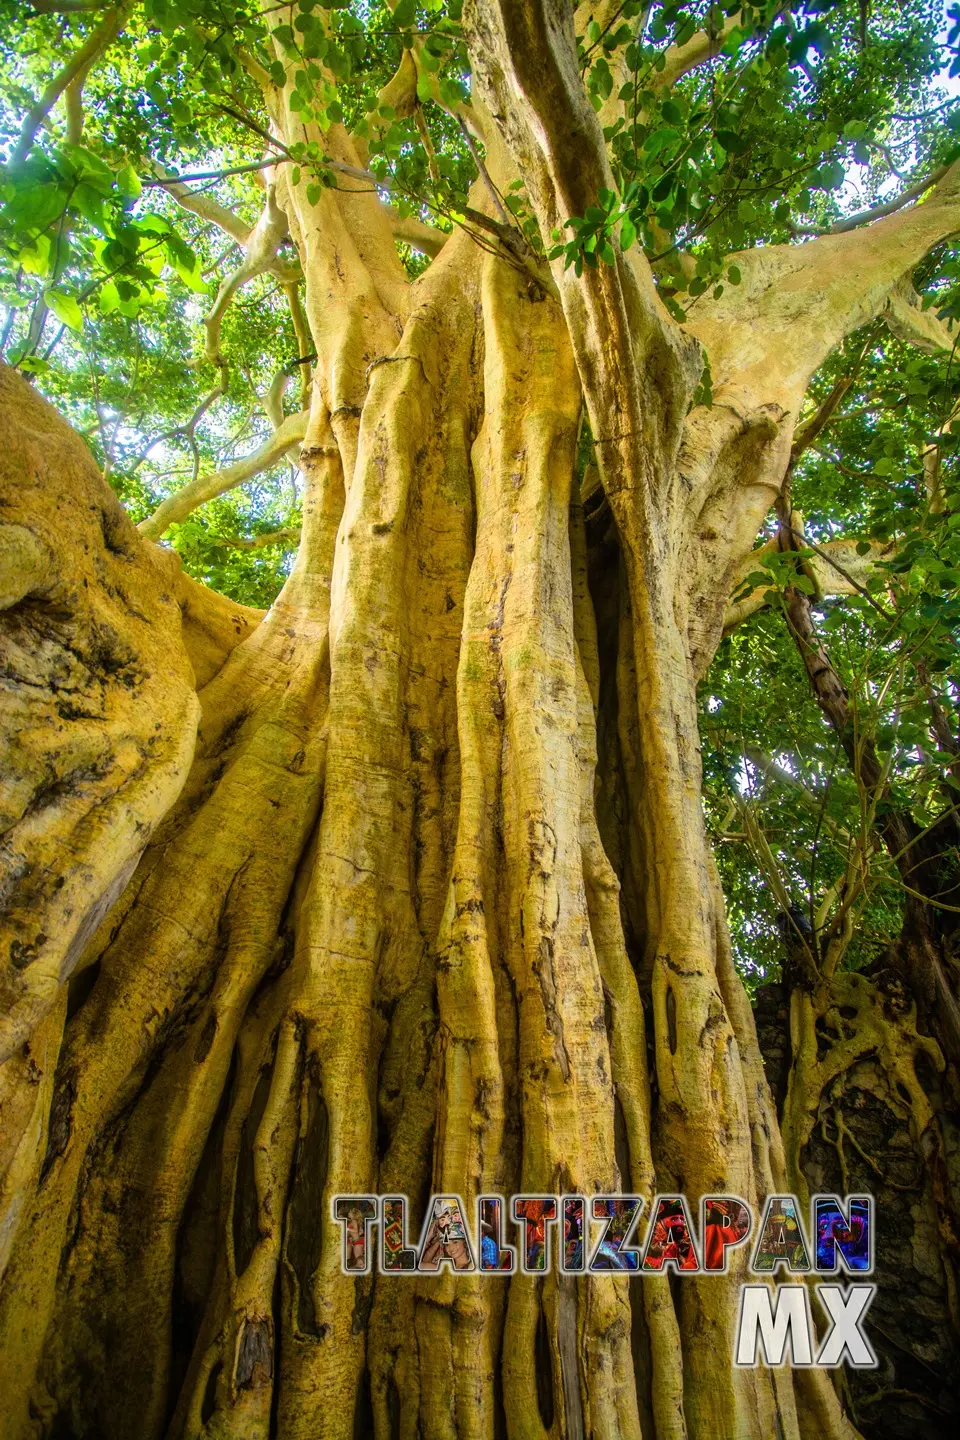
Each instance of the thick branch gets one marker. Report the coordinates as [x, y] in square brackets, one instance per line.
[260, 255]
[77, 66]
[877, 212]
[910, 322]
[203, 205]
[705, 45]
[796, 303]
[419, 236]
[177, 507]
[259, 244]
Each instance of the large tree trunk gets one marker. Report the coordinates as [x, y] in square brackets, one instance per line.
[374, 940]
[377, 944]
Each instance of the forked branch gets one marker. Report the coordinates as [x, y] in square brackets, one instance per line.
[74, 70]
[207, 487]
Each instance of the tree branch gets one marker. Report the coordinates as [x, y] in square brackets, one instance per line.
[836, 568]
[809, 431]
[76, 67]
[767, 336]
[202, 205]
[172, 179]
[910, 322]
[932, 478]
[889, 207]
[260, 255]
[699, 49]
[288, 536]
[419, 236]
[304, 341]
[207, 487]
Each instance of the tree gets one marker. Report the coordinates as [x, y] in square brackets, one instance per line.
[406, 884]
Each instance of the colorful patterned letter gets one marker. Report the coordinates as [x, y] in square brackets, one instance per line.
[395, 1253]
[534, 1213]
[670, 1237]
[356, 1213]
[847, 1235]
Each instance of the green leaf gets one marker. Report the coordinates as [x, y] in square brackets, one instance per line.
[65, 308]
[660, 139]
[152, 224]
[128, 183]
[35, 257]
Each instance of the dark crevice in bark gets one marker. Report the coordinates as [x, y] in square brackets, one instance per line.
[228, 735]
[543, 1364]
[362, 1304]
[195, 1253]
[421, 1200]
[305, 1209]
[209, 1404]
[206, 1038]
[80, 988]
[670, 1005]
[642, 1358]
[772, 1016]
[621, 1144]
[246, 1221]
[393, 1408]
[363, 1409]
[61, 1111]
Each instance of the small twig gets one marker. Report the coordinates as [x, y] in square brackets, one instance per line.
[824, 555]
[494, 193]
[217, 174]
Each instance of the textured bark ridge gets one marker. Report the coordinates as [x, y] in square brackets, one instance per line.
[414, 893]
[99, 709]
